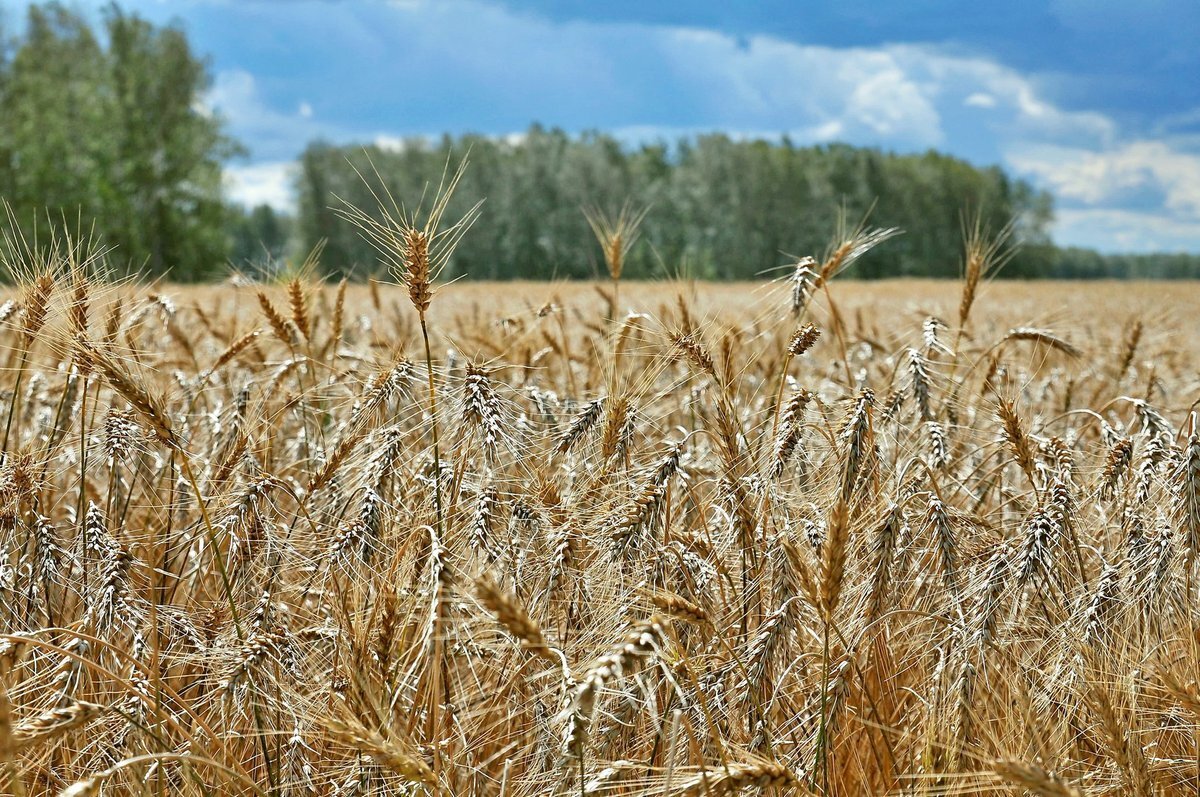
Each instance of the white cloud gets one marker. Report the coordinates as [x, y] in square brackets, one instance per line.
[1116, 230]
[891, 105]
[899, 96]
[894, 95]
[262, 184]
[272, 134]
[1095, 177]
[649, 134]
[807, 91]
[275, 137]
[389, 143]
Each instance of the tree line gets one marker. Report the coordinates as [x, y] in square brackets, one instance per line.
[714, 207]
[104, 124]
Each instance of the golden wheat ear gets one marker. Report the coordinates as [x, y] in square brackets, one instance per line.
[415, 246]
[616, 234]
[984, 254]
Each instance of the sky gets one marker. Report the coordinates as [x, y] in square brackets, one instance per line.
[1097, 101]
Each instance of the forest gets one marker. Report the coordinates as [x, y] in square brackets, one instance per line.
[713, 207]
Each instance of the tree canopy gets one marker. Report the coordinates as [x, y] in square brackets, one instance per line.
[107, 127]
[716, 207]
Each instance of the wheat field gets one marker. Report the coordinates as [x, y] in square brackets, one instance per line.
[799, 537]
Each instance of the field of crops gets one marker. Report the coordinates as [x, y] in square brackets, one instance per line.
[801, 537]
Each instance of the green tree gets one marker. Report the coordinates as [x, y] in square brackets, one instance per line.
[109, 128]
[718, 207]
[260, 237]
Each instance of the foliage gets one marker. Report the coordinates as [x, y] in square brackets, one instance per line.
[716, 207]
[260, 238]
[1079, 263]
[106, 126]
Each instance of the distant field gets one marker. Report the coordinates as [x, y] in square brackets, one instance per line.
[1011, 302]
[1092, 313]
[890, 538]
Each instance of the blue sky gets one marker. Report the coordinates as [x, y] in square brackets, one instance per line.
[1094, 100]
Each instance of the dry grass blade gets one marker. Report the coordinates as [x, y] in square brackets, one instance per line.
[386, 752]
[1035, 779]
[510, 614]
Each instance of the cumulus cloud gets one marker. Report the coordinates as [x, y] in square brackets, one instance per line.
[468, 64]
[262, 184]
[807, 91]
[1094, 177]
[272, 134]
[980, 99]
